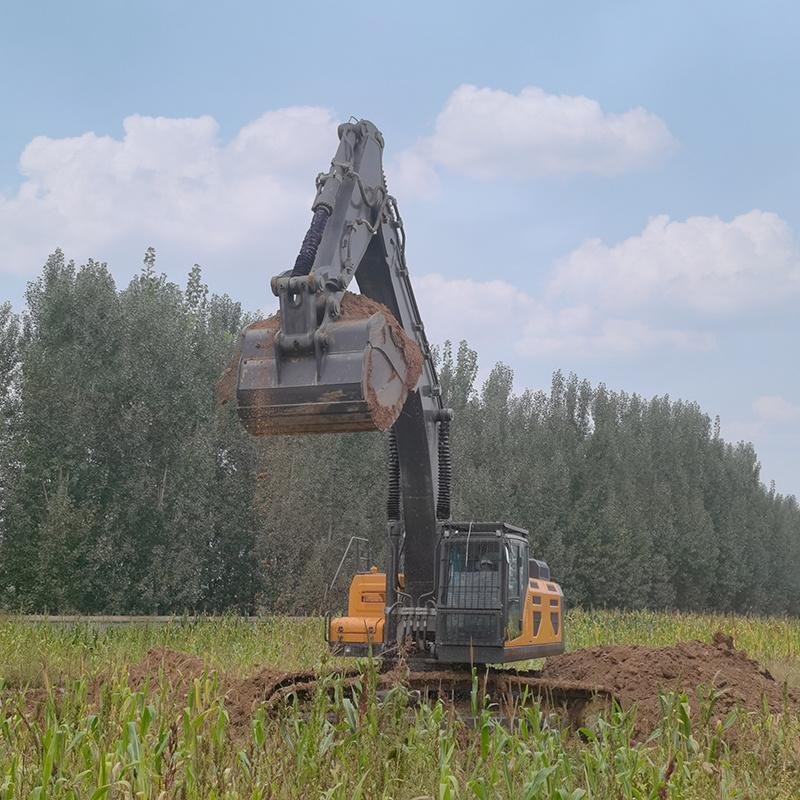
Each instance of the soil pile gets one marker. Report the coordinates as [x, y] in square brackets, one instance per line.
[168, 668]
[636, 674]
[244, 696]
[175, 672]
[353, 307]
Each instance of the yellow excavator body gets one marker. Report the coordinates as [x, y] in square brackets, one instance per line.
[366, 601]
[541, 617]
[361, 630]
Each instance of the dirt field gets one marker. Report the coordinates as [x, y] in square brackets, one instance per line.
[636, 676]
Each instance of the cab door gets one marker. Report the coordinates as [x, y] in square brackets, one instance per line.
[516, 583]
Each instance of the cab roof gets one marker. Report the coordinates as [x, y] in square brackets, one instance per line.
[484, 527]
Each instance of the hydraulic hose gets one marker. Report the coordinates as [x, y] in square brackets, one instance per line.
[308, 250]
[445, 470]
[393, 495]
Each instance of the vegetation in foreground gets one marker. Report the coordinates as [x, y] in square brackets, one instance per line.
[72, 726]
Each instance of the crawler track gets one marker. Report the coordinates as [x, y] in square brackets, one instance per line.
[507, 691]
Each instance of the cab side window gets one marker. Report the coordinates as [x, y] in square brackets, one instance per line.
[515, 589]
[513, 570]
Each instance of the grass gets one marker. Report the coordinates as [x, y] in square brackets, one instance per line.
[765, 639]
[72, 727]
[30, 653]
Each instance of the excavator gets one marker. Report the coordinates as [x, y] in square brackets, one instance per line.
[455, 593]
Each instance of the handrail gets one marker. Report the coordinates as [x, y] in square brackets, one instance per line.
[341, 563]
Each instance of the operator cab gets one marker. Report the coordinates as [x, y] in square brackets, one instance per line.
[495, 603]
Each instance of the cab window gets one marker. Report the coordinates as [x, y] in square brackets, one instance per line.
[473, 574]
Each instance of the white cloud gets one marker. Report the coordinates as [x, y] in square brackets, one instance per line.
[704, 264]
[580, 330]
[488, 133]
[167, 181]
[175, 184]
[501, 320]
[771, 408]
[409, 174]
[771, 413]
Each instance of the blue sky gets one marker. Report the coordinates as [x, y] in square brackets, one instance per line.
[609, 188]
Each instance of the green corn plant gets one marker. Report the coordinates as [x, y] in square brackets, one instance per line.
[71, 726]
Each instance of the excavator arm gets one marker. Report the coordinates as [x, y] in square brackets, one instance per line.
[321, 371]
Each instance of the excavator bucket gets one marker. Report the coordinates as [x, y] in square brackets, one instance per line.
[355, 376]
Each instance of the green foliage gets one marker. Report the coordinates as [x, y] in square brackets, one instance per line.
[634, 503]
[10, 343]
[9, 348]
[124, 486]
[134, 490]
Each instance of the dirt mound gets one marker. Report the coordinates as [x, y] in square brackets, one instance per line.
[244, 696]
[168, 668]
[637, 674]
[353, 306]
[634, 674]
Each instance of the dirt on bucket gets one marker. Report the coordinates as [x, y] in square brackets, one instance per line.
[353, 306]
[357, 306]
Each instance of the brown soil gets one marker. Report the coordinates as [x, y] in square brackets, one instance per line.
[354, 306]
[168, 668]
[636, 675]
[271, 323]
[357, 306]
[244, 696]
[225, 388]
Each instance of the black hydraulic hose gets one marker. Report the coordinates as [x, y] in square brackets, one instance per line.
[445, 470]
[308, 250]
[393, 495]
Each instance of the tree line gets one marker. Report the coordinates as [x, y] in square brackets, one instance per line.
[125, 487]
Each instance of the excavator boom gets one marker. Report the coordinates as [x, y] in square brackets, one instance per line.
[331, 361]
